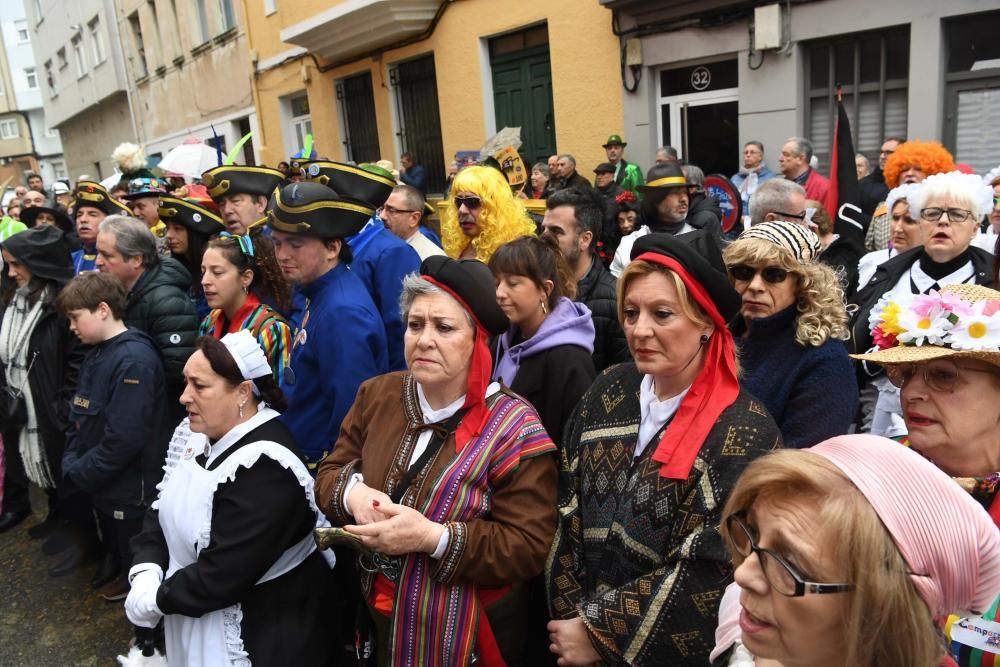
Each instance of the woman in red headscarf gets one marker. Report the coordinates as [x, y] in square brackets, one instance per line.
[447, 480]
[638, 566]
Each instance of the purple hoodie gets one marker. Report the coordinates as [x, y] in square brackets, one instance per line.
[569, 323]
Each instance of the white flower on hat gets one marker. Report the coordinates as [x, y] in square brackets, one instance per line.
[922, 329]
[977, 331]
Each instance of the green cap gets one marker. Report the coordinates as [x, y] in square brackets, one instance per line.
[614, 140]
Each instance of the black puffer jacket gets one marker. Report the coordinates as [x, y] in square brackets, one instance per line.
[704, 212]
[159, 305]
[57, 356]
[597, 291]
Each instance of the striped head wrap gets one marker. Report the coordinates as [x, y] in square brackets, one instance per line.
[947, 539]
[796, 239]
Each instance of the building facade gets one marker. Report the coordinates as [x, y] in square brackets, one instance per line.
[706, 77]
[28, 144]
[81, 79]
[189, 67]
[370, 79]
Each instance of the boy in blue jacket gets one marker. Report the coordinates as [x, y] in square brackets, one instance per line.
[118, 434]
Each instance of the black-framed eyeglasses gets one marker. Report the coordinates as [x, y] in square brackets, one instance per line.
[746, 273]
[935, 214]
[793, 216]
[782, 577]
[386, 208]
[471, 203]
[943, 377]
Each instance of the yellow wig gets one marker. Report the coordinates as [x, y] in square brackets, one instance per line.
[501, 220]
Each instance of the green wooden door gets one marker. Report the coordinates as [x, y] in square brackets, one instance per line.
[522, 97]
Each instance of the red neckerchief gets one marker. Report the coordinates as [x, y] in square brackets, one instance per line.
[249, 305]
[479, 378]
[714, 390]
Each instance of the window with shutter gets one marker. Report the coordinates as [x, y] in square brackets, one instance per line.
[872, 69]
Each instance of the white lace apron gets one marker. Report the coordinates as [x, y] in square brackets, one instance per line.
[185, 507]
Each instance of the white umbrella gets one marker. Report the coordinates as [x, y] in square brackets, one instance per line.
[191, 159]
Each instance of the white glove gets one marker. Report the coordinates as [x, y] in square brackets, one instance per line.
[140, 605]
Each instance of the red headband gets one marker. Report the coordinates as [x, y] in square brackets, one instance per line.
[479, 377]
[714, 390]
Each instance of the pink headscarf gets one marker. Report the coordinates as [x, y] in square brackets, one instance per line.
[940, 530]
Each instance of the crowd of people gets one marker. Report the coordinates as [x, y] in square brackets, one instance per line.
[288, 421]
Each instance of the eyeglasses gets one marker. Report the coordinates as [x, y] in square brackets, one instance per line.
[779, 574]
[941, 377]
[770, 274]
[955, 215]
[471, 203]
[793, 216]
[392, 210]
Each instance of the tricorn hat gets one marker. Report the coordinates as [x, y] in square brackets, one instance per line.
[145, 186]
[233, 180]
[63, 221]
[312, 209]
[194, 216]
[95, 195]
[614, 140]
[664, 176]
[355, 183]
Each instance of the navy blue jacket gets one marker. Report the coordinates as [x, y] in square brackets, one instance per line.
[381, 261]
[119, 432]
[811, 392]
[340, 345]
[416, 176]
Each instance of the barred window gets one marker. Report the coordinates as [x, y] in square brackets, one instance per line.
[872, 68]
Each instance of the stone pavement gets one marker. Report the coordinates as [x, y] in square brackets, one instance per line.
[53, 622]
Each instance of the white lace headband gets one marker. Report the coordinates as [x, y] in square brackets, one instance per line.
[246, 352]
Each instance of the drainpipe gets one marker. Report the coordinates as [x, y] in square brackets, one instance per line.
[129, 92]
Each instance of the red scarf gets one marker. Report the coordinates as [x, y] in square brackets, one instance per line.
[219, 329]
[714, 390]
[479, 378]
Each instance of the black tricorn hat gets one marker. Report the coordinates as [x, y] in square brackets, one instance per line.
[356, 183]
[95, 195]
[191, 215]
[234, 179]
[663, 176]
[45, 251]
[699, 254]
[63, 221]
[474, 284]
[315, 210]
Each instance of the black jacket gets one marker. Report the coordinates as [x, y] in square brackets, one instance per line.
[52, 380]
[159, 305]
[553, 381]
[873, 191]
[887, 275]
[118, 440]
[598, 291]
[574, 180]
[704, 213]
[842, 256]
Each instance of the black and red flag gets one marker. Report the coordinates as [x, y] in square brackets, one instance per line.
[843, 198]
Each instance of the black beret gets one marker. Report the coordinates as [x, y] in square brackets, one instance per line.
[95, 195]
[45, 251]
[353, 182]
[315, 210]
[698, 252]
[193, 216]
[474, 283]
[234, 180]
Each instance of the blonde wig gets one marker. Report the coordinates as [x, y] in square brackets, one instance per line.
[886, 620]
[820, 295]
[502, 218]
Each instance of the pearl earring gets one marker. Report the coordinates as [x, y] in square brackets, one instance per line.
[241, 408]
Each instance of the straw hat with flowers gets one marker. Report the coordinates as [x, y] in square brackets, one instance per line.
[960, 321]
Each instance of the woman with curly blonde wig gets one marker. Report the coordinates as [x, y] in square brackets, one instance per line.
[791, 330]
[481, 215]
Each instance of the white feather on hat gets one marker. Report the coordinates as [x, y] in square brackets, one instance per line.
[128, 157]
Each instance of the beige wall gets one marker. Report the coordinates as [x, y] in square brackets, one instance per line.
[21, 145]
[587, 92]
[191, 82]
[90, 136]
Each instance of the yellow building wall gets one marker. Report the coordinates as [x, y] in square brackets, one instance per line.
[587, 91]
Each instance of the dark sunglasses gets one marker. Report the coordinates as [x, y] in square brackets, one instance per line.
[770, 274]
[471, 203]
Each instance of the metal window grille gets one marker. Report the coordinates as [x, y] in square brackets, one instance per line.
[418, 116]
[357, 106]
